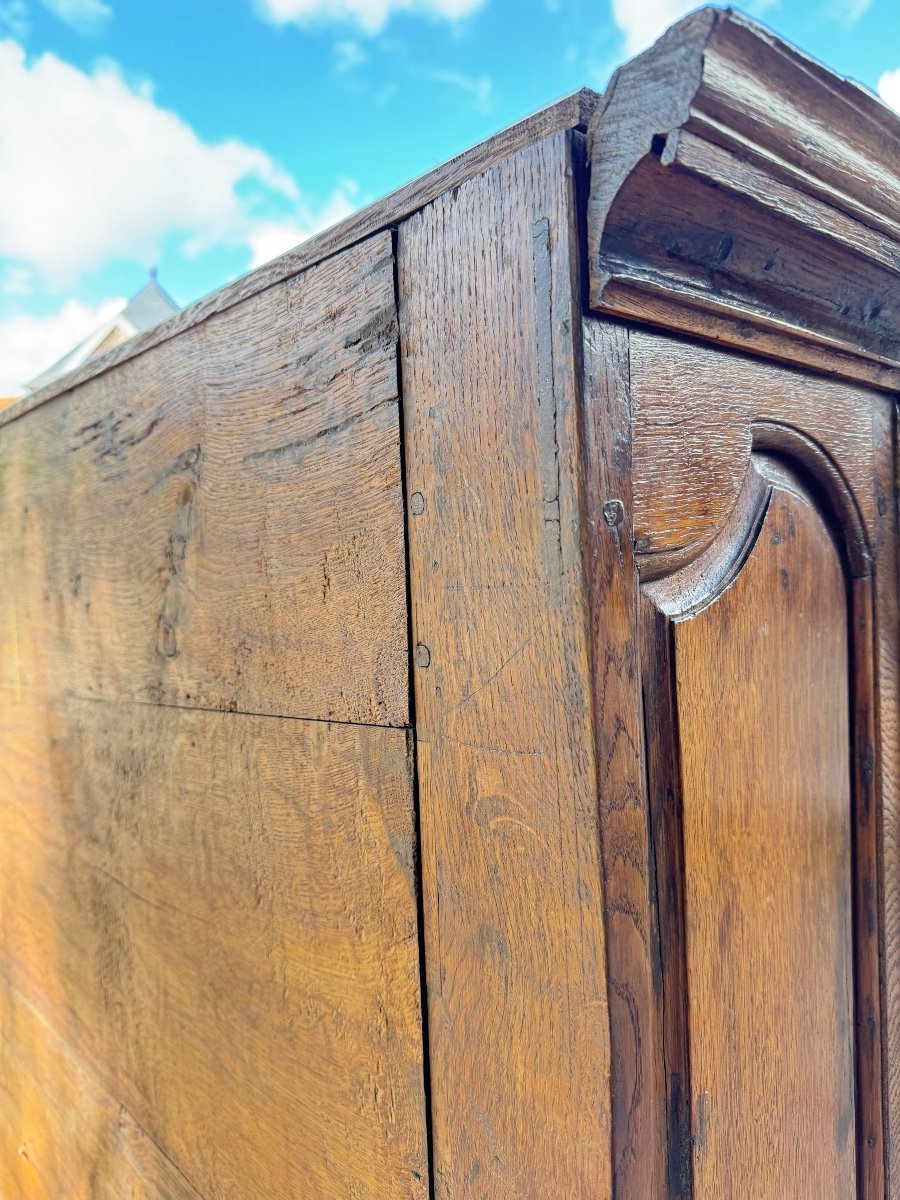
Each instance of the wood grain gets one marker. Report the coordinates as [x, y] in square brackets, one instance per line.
[699, 418]
[691, 455]
[571, 112]
[510, 850]
[216, 914]
[61, 1132]
[639, 1149]
[218, 523]
[886, 776]
[762, 687]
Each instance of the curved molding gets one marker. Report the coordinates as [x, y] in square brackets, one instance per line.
[698, 581]
[780, 456]
[742, 193]
[822, 479]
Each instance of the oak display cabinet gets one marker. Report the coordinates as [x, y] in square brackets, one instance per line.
[448, 683]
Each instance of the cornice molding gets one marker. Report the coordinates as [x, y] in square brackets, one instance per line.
[742, 193]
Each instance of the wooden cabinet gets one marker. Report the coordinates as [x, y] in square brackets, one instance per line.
[448, 683]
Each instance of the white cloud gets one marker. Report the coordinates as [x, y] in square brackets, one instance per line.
[93, 170]
[889, 88]
[479, 89]
[16, 281]
[268, 239]
[86, 16]
[847, 12]
[369, 15]
[642, 21]
[29, 344]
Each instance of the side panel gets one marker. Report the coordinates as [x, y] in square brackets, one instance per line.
[218, 522]
[510, 849]
[209, 952]
[215, 914]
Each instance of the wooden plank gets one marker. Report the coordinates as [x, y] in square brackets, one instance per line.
[61, 1132]
[218, 523]
[221, 923]
[886, 778]
[763, 704]
[573, 111]
[507, 776]
[637, 1082]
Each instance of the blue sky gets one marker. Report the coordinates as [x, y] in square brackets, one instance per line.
[206, 137]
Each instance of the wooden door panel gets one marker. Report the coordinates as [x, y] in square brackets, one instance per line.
[761, 678]
[758, 707]
[740, 523]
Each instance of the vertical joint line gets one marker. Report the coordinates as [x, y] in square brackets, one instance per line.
[411, 752]
[548, 442]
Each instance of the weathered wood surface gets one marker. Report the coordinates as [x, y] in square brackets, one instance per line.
[212, 919]
[571, 112]
[673, 432]
[62, 1133]
[887, 763]
[691, 454]
[212, 989]
[638, 1112]
[741, 192]
[764, 738]
[507, 777]
[218, 522]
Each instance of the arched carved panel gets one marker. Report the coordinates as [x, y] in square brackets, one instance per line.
[757, 682]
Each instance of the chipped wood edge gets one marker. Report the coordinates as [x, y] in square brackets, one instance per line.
[572, 112]
[722, 120]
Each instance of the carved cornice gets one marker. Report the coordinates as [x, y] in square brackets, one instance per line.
[742, 193]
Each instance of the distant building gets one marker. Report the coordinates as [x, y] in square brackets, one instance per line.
[150, 306]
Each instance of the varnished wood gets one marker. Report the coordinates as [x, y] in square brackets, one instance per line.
[742, 193]
[695, 508]
[764, 738]
[886, 763]
[672, 742]
[214, 917]
[691, 457]
[218, 522]
[636, 1046]
[511, 877]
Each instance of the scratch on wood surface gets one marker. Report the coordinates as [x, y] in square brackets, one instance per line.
[548, 445]
[490, 679]
[298, 445]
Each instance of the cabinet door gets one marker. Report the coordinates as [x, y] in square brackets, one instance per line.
[762, 713]
[748, 1056]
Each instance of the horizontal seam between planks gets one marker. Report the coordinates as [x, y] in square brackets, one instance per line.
[231, 712]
